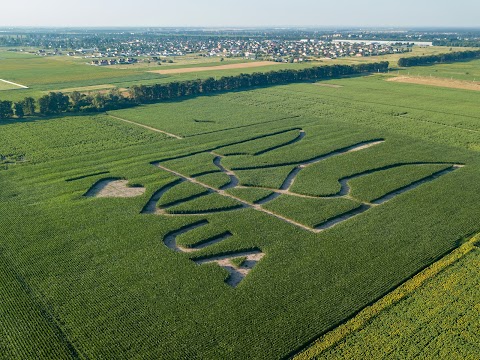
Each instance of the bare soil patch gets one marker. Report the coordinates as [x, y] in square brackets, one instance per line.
[237, 273]
[112, 188]
[440, 82]
[214, 68]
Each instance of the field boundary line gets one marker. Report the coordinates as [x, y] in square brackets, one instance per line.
[146, 127]
[362, 318]
[12, 83]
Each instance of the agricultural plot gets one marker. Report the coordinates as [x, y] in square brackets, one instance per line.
[202, 266]
[440, 320]
[196, 117]
[183, 70]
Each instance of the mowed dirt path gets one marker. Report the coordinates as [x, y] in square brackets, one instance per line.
[440, 82]
[145, 126]
[214, 68]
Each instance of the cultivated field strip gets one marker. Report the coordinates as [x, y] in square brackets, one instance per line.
[217, 147]
[333, 344]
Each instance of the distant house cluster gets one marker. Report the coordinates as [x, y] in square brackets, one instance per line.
[120, 61]
[279, 50]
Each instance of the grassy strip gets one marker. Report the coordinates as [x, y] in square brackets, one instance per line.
[184, 190]
[192, 165]
[260, 145]
[310, 212]
[252, 195]
[216, 180]
[270, 178]
[360, 320]
[375, 185]
[212, 202]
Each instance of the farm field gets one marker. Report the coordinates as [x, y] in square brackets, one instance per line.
[438, 320]
[436, 81]
[251, 235]
[64, 73]
[463, 70]
[183, 70]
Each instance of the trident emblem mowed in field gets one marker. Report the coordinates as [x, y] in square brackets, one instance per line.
[239, 263]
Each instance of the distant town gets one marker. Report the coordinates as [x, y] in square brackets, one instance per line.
[114, 47]
[271, 50]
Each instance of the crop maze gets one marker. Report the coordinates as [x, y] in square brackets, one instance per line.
[239, 264]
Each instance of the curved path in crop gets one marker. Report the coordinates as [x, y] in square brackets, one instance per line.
[344, 192]
[238, 264]
[237, 272]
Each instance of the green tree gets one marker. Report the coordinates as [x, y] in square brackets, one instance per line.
[18, 106]
[29, 106]
[76, 100]
[53, 103]
[6, 111]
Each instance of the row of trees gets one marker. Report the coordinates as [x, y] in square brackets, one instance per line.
[457, 43]
[151, 93]
[57, 102]
[20, 109]
[440, 58]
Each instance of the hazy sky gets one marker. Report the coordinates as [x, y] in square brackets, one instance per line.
[465, 13]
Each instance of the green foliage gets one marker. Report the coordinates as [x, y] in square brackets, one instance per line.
[53, 103]
[262, 145]
[272, 178]
[180, 192]
[102, 270]
[192, 165]
[29, 329]
[251, 195]
[373, 186]
[142, 94]
[19, 112]
[38, 141]
[308, 211]
[216, 180]
[197, 116]
[440, 58]
[6, 110]
[439, 320]
[208, 203]
[29, 106]
[57, 102]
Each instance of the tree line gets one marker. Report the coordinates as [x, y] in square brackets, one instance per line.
[457, 43]
[440, 58]
[57, 102]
